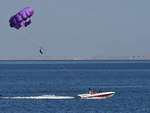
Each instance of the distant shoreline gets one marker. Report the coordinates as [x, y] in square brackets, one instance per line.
[97, 58]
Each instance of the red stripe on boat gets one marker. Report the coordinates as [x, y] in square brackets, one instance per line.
[105, 95]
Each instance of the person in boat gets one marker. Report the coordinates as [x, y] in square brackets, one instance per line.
[99, 91]
[91, 92]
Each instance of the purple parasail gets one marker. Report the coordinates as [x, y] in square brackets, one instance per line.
[22, 18]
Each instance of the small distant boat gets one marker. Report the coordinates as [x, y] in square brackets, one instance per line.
[101, 95]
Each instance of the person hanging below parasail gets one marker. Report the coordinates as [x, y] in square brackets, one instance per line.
[41, 51]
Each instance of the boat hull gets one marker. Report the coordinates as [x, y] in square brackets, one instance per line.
[102, 95]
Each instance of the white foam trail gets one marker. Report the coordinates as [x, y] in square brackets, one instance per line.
[41, 97]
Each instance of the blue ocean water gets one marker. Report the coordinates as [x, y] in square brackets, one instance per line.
[129, 79]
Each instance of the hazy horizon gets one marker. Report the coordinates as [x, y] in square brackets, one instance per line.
[77, 28]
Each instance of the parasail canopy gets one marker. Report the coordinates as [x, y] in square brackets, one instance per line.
[22, 18]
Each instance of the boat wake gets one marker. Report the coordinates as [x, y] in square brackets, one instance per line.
[40, 97]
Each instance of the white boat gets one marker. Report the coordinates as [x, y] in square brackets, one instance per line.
[101, 95]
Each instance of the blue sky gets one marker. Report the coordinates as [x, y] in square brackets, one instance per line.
[77, 28]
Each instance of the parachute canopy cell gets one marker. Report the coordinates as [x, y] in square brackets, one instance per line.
[22, 18]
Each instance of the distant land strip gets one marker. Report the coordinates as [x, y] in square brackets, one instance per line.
[70, 58]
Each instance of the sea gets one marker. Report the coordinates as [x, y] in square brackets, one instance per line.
[52, 86]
